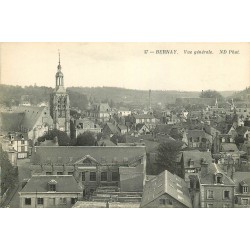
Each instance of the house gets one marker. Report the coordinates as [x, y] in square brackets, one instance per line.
[166, 191]
[216, 188]
[110, 129]
[192, 160]
[54, 191]
[242, 189]
[7, 147]
[100, 112]
[199, 139]
[142, 128]
[123, 167]
[148, 119]
[35, 121]
[84, 124]
[122, 111]
[19, 143]
[243, 132]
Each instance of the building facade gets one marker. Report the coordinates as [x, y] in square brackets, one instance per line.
[50, 192]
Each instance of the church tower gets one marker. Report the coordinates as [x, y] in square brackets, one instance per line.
[59, 103]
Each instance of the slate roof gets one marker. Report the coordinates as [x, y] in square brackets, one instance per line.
[168, 183]
[144, 116]
[229, 147]
[104, 107]
[113, 129]
[242, 130]
[241, 177]
[196, 156]
[199, 133]
[39, 184]
[209, 178]
[71, 154]
[10, 121]
[31, 115]
[97, 204]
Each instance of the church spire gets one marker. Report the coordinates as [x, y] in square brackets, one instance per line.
[59, 67]
[59, 74]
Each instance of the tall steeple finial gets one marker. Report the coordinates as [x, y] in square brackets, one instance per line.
[59, 67]
[59, 57]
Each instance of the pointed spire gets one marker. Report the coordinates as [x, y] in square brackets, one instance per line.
[59, 57]
[59, 67]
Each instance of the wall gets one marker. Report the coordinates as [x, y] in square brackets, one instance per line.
[46, 197]
[218, 201]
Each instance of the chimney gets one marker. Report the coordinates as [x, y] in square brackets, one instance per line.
[204, 168]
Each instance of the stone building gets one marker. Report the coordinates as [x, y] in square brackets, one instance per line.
[43, 191]
[123, 167]
[216, 188]
[59, 104]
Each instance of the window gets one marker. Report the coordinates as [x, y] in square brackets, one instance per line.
[245, 189]
[244, 201]
[63, 201]
[226, 194]
[22, 141]
[48, 173]
[219, 179]
[115, 176]
[210, 194]
[52, 187]
[59, 173]
[73, 201]
[40, 201]
[92, 176]
[83, 176]
[27, 201]
[104, 176]
[162, 202]
[210, 205]
[226, 205]
[22, 148]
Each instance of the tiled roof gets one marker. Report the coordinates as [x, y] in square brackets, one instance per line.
[71, 154]
[168, 183]
[39, 183]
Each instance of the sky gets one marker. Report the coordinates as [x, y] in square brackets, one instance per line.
[126, 65]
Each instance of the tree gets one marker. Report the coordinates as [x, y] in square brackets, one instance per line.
[211, 94]
[8, 172]
[63, 138]
[166, 156]
[118, 139]
[86, 139]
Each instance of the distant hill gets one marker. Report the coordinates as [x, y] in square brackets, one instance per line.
[122, 95]
[241, 95]
[79, 96]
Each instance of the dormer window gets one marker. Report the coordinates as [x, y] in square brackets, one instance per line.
[244, 187]
[218, 178]
[52, 186]
[191, 163]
